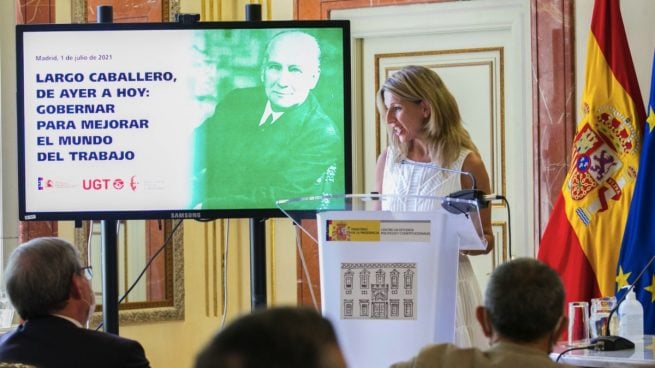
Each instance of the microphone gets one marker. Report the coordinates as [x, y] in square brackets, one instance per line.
[610, 342]
[482, 200]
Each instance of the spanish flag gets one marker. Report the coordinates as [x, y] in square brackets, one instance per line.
[583, 237]
[639, 239]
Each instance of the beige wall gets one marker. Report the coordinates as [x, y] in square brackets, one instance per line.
[235, 9]
[174, 344]
[178, 341]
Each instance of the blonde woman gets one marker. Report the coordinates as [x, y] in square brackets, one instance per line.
[425, 131]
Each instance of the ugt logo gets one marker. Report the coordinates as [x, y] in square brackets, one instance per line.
[103, 184]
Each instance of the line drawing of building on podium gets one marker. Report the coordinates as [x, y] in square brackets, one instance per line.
[380, 291]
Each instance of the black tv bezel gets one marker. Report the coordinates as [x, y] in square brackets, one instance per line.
[197, 214]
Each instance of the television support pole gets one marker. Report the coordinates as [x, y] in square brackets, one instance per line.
[109, 244]
[109, 229]
[257, 225]
[257, 262]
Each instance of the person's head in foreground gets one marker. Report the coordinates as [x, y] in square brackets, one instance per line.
[523, 304]
[522, 316]
[279, 337]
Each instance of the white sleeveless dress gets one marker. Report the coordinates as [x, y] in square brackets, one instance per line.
[415, 178]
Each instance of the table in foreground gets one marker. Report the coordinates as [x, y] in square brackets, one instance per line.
[643, 355]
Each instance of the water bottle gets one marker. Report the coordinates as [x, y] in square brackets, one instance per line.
[631, 317]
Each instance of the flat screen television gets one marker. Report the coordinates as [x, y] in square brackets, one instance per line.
[171, 120]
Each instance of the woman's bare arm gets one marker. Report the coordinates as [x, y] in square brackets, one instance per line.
[474, 164]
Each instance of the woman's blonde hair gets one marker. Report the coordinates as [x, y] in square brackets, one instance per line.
[444, 131]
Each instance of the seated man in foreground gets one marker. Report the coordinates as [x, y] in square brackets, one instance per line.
[523, 317]
[279, 337]
[51, 290]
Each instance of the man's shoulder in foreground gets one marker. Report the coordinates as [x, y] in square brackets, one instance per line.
[500, 355]
[55, 342]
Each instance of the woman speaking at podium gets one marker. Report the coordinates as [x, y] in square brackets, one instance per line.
[430, 153]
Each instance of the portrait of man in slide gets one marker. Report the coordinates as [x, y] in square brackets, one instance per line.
[277, 133]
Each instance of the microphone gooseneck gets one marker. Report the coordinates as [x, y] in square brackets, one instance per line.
[481, 199]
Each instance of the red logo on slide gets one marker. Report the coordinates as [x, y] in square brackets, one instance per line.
[43, 183]
[119, 184]
[133, 183]
[103, 184]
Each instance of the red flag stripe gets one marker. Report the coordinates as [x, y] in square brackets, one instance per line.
[560, 248]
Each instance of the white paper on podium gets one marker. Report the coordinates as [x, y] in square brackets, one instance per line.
[388, 282]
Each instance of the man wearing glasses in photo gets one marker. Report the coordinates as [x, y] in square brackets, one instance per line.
[51, 291]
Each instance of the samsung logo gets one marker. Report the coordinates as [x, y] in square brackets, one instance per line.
[185, 215]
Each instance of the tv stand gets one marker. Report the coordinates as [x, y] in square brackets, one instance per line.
[257, 262]
[109, 245]
[257, 224]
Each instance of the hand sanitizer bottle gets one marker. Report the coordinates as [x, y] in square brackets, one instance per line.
[631, 317]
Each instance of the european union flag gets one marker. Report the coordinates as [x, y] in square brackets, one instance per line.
[639, 237]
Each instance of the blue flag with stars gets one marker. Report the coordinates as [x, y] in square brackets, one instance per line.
[639, 237]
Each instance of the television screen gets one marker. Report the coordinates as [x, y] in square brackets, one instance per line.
[168, 120]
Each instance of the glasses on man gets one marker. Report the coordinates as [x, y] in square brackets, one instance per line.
[87, 272]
